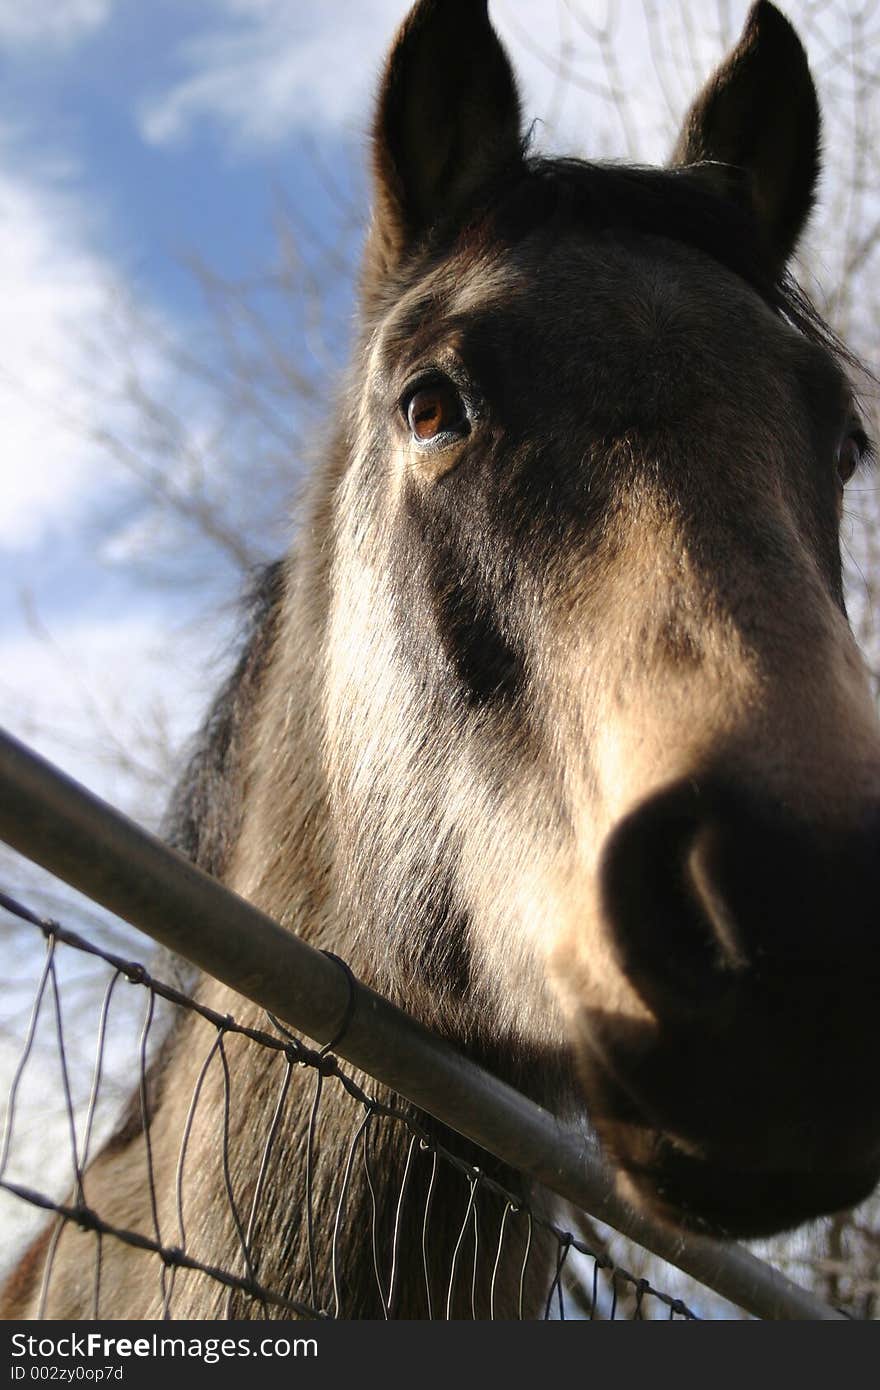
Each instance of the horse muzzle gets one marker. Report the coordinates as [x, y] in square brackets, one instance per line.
[741, 1095]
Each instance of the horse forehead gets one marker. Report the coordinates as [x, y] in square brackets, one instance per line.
[627, 290]
[631, 332]
[455, 292]
[631, 287]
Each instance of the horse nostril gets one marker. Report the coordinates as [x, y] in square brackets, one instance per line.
[704, 885]
[701, 873]
[671, 926]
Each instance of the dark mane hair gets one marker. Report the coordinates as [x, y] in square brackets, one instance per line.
[204, 816]
[697, 205]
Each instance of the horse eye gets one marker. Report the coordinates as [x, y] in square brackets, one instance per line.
[435, 409]
[850, 455]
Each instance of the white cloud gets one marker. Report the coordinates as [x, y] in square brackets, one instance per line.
[64, 360]
[110, 699]
[59, 23]
[53, 289]
[66, 349]
[265, 69]
[270, 67]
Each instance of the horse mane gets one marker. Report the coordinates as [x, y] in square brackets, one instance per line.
[702, 206]
[204, 815]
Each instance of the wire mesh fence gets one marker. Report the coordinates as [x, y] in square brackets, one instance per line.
[483, 1249]
[411, 1182]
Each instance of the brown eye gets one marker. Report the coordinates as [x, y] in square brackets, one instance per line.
[436, 409]
[850, 455]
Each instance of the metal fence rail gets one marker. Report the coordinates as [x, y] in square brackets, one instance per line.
[55, 822]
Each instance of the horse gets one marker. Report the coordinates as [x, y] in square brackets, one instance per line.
[552, 723]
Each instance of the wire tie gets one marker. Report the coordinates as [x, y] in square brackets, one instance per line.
[349, 1007]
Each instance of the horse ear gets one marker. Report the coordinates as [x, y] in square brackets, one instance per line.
[447, 121]
[759, 114]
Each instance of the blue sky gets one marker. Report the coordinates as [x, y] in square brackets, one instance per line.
[140, 101]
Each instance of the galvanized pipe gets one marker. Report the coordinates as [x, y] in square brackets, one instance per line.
[60, 825]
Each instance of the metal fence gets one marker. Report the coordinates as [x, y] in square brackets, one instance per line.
[75, 836]
[600, 1288]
